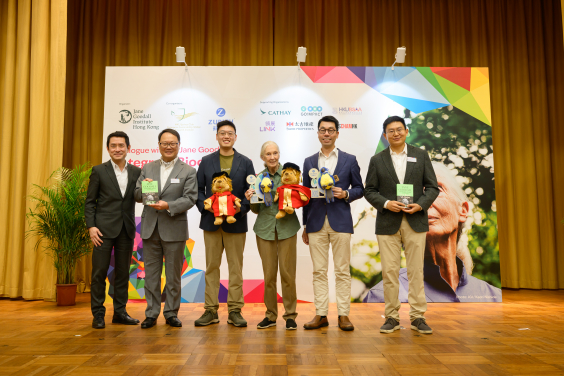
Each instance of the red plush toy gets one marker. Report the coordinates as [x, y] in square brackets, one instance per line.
[292, 195]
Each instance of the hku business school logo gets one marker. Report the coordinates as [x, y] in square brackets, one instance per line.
[269, 126]
[125, 116]
[311, 111]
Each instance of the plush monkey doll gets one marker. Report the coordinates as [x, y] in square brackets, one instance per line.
[222, 200]
[291, 195]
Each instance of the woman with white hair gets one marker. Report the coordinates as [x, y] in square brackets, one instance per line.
[277, 245]
[448, 265]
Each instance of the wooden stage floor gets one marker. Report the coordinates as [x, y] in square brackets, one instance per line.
[524, 336]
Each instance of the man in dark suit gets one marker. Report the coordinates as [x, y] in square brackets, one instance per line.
[331, 224]
[401, 167]
[164, 227]
[110, 218]
[228, 236]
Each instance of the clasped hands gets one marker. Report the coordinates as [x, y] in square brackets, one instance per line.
[397, 206]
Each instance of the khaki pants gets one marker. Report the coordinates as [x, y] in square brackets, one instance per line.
[340, 243]
[279, 253]
[234, 244]
[390, 254]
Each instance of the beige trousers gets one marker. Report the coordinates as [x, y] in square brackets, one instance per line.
[340, 243]
[390, 254]
[234, 244]
[279, 253]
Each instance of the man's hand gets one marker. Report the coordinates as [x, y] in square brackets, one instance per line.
[395, 206]
[305, 237]
[161, 205]
[249, 194]
[339, 193]
[237, 208]
[412, 208]
[148, 180]
[95, 235]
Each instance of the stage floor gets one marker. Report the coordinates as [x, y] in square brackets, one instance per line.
[524, 336]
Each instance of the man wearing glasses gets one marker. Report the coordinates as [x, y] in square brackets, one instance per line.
[331, 225]
[164, 227]
[228, 236]
[405, 171]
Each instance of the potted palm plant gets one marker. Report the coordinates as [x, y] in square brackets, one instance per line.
[58, 226]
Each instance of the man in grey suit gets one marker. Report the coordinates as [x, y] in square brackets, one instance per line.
[401, 167]
[164, 227]
[110, 217]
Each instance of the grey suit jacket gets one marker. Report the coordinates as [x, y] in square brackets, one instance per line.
[381, 185]
[180, 197]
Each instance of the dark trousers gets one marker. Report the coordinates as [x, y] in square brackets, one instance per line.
[154, 249]
[123, 248]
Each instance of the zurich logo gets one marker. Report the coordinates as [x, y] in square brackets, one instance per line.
[220, 112]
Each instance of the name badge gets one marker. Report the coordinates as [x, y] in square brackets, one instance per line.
[411, 159]
[173, 181]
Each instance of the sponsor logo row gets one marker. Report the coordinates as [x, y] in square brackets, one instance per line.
[142, 120]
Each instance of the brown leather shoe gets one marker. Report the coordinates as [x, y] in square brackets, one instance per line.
[345, 324]
[316, 323]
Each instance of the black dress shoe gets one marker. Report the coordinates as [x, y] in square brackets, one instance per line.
[124, 318]
[149, 322]
[173, 321]
[98, 322]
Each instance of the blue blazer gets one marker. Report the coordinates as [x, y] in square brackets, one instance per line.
[240, 169]
[338, 212]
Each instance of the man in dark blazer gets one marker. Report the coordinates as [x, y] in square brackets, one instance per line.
[397, 223]
[331, 224]
[164, 227]
[228, 236]
[110, 218]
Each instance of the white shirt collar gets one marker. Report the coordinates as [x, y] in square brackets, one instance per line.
[116, 166]
[167, 164]
[403, 152]
[334, 151]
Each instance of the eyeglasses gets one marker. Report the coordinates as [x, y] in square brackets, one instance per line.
[168, 144]
[226, 134]
[394, 131]
[323, 130]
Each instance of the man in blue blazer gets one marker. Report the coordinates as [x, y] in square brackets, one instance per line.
[228, 236]
[330, 224]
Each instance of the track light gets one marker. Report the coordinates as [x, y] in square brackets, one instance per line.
[400, 56]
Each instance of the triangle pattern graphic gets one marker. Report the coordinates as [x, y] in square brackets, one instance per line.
[469, 105]
[310, 72]
[477, 79]
[256, 295]
[482, 97]
[430, 77]
[452, 91]
[322, 71]
[415, 105]
[339, 75]
[459, 76]
[360, 72]
[415, 86]
[485, 72]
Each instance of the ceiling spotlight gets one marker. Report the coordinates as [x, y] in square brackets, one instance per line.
[400, 56]
[301, 55]
[181, 56]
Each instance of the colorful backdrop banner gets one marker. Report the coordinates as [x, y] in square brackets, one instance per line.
[447, 111]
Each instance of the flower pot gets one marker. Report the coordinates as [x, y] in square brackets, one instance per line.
[66, 295]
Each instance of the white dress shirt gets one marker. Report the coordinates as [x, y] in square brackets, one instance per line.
[121, 177]
[329, 162]
[166, 169]
[400, 164]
